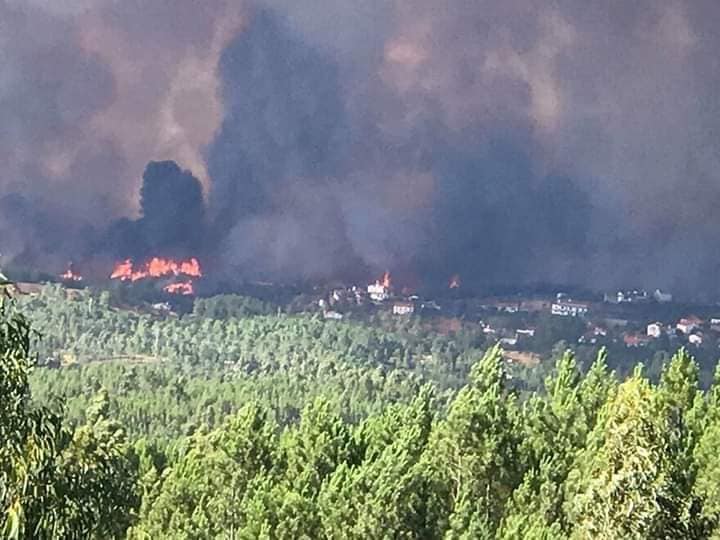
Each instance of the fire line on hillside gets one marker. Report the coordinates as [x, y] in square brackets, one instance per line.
[158, 268]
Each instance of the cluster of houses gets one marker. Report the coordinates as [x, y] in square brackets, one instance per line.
[637, 296]
[377, 293]
[605, 320]
[693, 328]
[564, 305]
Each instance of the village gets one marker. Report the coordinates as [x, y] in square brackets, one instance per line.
[628, 318]
[522, 321]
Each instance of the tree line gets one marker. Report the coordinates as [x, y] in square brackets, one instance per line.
[586, 456]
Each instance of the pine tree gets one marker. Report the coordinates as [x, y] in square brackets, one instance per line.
[556, 427]
[474, 455]
[707, 460]
[386, 495]
[631, 490]
[201, 495]
[273, 510]
[314, 449]
[99, 470]
[533, 512]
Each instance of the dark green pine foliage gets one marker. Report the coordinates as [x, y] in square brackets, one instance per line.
[686, 409]
[201, 494]
[386, 494]
[557, 424]
[707, 459]
[632, 489]
[321, 430]
[283, 503]
[474, 454]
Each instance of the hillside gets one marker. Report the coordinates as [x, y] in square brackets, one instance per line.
[585, 456]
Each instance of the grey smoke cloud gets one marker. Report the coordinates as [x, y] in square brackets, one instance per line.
[90, 91]
[507, 141]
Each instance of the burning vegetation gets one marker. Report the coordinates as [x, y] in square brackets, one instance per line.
[157, 267]
[161, 268]
[386, 280]
[183, 288]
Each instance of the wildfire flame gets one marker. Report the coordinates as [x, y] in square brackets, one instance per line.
[184, 288]
[71, 275]
[386, 280]
[156, 267]
[455, 282]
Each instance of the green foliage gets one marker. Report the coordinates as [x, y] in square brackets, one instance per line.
[56, 482]
[705, 458]
[256, 425]
[633, 490]
[168, 375]
[386, 494]
[474, 453]
[200, 496]
[556, 427]
[227, 306]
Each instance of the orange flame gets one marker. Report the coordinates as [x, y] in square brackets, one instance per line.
[70, 274]
[156, 267]
[455, 282]
[123, 271]
[184, 288]
[386, 280]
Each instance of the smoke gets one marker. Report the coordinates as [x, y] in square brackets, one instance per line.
[172, 216]
[409, 166]
[509, 141]
[90, 91]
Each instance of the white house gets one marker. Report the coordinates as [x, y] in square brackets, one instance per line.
[378, 292]
[568, 308]
[688, 324]
[525, 332]
[403, 308]
[695, 339]
[655, 329]
[162, 306]
[634, 296]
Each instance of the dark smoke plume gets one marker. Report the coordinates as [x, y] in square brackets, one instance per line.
[172, 220]
[304, 171]
[509, 142]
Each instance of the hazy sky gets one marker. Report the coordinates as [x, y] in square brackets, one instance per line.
[508, 141]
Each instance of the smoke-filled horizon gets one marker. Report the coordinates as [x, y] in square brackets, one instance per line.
[509, 142]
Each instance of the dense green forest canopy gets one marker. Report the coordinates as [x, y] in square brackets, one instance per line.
[167, 374]
[259, 425]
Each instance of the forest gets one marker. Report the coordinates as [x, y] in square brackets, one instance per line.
[236, 421]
